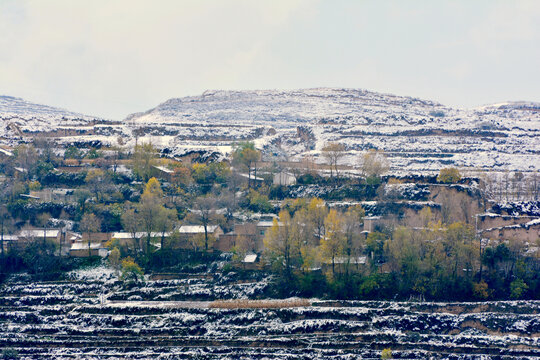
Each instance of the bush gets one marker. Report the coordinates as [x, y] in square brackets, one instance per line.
[449, 175]
[517, 288]
[386, 354]
[131, 272]
[437, 113]
[9, 353]
[258, 202]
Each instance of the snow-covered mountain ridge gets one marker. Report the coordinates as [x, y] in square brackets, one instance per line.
[20, 118]
[418, 135]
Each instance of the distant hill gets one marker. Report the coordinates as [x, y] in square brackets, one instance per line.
[20, 117]
[419, 135]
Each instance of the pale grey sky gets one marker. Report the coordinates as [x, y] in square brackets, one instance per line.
[114, 57]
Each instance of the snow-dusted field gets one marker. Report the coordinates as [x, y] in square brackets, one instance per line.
[95, 317]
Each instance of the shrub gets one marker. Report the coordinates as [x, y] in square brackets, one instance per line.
[131, 272]
[481, 290]
[437, 113]
[517, 288]
[449, 175]
[386, 354]
[9, 353]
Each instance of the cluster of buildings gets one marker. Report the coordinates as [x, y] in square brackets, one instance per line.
[69, 243]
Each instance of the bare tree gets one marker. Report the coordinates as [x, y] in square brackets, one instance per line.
[204, 212]
[43, 220]
[90, 223]
[333, 153]
[246, 154]
[166, 219]
[374, 164]
[131, 224]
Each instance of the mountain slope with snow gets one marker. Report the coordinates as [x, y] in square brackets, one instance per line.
[20, 118]
[418, 135]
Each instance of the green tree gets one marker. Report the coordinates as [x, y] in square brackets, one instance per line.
[72, 153]
[144, 159]
[517, 288]
[166, 219]
[386, 354]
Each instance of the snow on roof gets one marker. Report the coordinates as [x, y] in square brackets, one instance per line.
[126, 235]
[84, 246]
[36, 233]
[164, 169]
[353, 260]
[252, 177]
[30, 196]
[20, 169]
[75, 236]
[10, 237]
[265, 223]
[196, 229]
[250, 258]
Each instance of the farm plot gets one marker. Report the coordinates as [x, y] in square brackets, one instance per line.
[100, 318]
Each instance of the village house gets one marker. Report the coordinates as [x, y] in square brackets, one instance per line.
[53, 235]
[10, 241]
[187, 233]
[247, 232]
[164, 172]
[80, 249]
[283, 178]
[340, 263]
[49, 194]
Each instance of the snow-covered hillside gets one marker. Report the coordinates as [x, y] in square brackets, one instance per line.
[418, 135]
[19, 118]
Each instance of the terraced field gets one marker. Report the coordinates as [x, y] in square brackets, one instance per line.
[202, 317]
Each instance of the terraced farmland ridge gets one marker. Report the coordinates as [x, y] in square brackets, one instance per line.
[202, 317]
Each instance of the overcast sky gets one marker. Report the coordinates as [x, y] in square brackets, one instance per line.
[114, 57]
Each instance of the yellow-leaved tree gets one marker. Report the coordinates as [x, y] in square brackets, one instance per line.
[333, 243]
[282, 247]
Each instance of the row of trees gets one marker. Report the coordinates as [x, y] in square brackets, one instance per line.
[437, 262]
[373, 164]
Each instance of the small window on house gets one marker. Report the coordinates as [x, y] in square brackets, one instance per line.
[262, 232]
